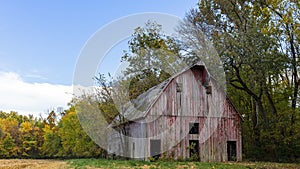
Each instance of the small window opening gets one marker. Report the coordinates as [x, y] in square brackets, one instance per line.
[179, 87]
[208, 90]
[194, 128]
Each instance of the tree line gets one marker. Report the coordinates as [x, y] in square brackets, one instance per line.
[31, 137]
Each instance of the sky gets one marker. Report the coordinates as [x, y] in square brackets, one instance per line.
[40, 42]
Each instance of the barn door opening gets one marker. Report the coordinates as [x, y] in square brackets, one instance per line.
[194, 149]
[155, 149]
[231, 150]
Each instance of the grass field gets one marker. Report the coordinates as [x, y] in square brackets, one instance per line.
[96, 163]
[101, 163]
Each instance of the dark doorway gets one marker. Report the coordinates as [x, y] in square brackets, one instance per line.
[231, 150]
[194, 149]
[155, 149]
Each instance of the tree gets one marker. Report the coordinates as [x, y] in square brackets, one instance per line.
[74, 140]
[52, 141]
[9, 137]
[29, 142]
[152, 56]
[8, 147]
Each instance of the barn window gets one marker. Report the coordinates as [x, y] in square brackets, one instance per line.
[194, 128]
[208, 90]
[178, 87]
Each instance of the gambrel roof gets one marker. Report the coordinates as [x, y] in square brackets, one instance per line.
[139, 107]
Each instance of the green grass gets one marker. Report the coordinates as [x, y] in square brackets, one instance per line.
[103, 163]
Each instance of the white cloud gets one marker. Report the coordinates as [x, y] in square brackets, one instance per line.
[31, 98]
[34, 73]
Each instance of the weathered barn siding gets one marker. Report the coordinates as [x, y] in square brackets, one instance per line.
[169, 116]
[218, 121]
[138, 146]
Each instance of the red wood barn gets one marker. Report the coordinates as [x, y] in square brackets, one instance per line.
[186, 116]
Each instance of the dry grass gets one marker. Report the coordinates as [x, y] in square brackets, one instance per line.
[32, 164]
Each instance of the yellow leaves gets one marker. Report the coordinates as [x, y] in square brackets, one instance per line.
[272, 3]
[284, 83]
[25, 127]
[69, 114]
[270, 29]
[7, 125]
[265, 11]
[287, 18]
[297, 31]
[47, 128]
[297, 26]
[264, 30]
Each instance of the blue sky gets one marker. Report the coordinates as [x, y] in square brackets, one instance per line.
[41, 40]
